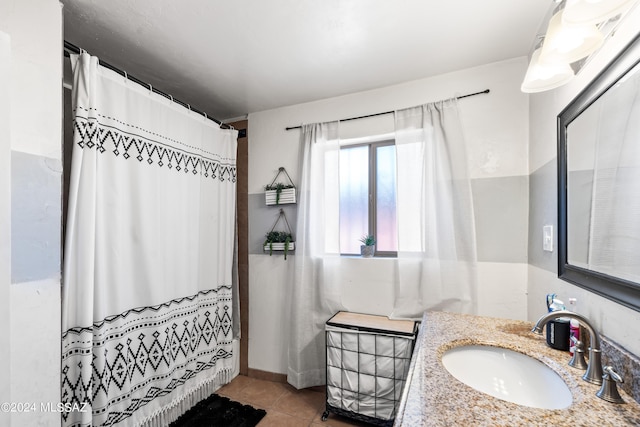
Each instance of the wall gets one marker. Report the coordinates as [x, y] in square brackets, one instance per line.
[496, 128]
[5, 223]
[32, 154]
[611, 319]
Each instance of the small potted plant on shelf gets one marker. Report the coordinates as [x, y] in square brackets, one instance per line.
[368, 248]
[279, 194]
[279, 241]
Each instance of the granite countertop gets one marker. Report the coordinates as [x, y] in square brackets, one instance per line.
[433, 397]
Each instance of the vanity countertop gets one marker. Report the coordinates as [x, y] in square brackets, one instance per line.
[432, 397]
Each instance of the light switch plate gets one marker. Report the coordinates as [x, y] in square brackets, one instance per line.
[547, 238]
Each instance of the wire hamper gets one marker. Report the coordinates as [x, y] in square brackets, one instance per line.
[368, 359]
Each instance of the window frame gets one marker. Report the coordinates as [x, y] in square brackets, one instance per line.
[372, 204]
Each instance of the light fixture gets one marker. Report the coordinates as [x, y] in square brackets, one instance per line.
[593, 11]
[543, 76]
[572, 31]
[569, 43]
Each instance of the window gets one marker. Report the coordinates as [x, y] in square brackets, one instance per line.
[368, 197]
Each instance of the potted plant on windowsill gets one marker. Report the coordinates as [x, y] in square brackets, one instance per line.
[368, 247]
[279, 241]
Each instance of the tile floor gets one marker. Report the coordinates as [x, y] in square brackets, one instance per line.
[285, 406]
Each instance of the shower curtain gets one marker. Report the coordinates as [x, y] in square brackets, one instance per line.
[147, 297]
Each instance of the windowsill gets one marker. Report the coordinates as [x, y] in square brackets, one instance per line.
[361, 257]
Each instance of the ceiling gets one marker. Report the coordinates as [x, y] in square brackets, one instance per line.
[233, 57]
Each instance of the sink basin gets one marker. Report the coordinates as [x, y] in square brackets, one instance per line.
[508, 375]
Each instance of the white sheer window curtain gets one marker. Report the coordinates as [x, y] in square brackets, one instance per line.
[436, 264]
[315, 295]
[436, 231]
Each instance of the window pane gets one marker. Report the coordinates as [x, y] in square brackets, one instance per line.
[386, 199]
[354, 195]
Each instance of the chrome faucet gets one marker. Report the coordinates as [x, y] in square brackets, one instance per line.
[594, 370]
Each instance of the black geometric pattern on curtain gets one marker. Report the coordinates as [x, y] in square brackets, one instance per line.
[105, 139]
[134, 351]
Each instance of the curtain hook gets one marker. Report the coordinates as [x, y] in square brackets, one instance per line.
[189, 107]
[150, 88]
[171, 96]
[126, 76]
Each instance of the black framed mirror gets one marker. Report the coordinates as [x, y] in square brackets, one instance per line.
[599, 183]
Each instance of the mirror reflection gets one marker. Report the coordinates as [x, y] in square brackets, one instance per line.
[603, 182]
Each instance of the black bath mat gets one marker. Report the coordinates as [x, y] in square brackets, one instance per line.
[219, 411]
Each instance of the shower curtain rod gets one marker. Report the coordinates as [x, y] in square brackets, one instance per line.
[389, 112]
[70, 47]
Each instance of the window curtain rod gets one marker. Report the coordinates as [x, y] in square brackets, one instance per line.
[389, 112]
[71, 48]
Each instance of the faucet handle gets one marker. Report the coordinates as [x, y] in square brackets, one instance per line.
[609, 390]
[578, 361]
